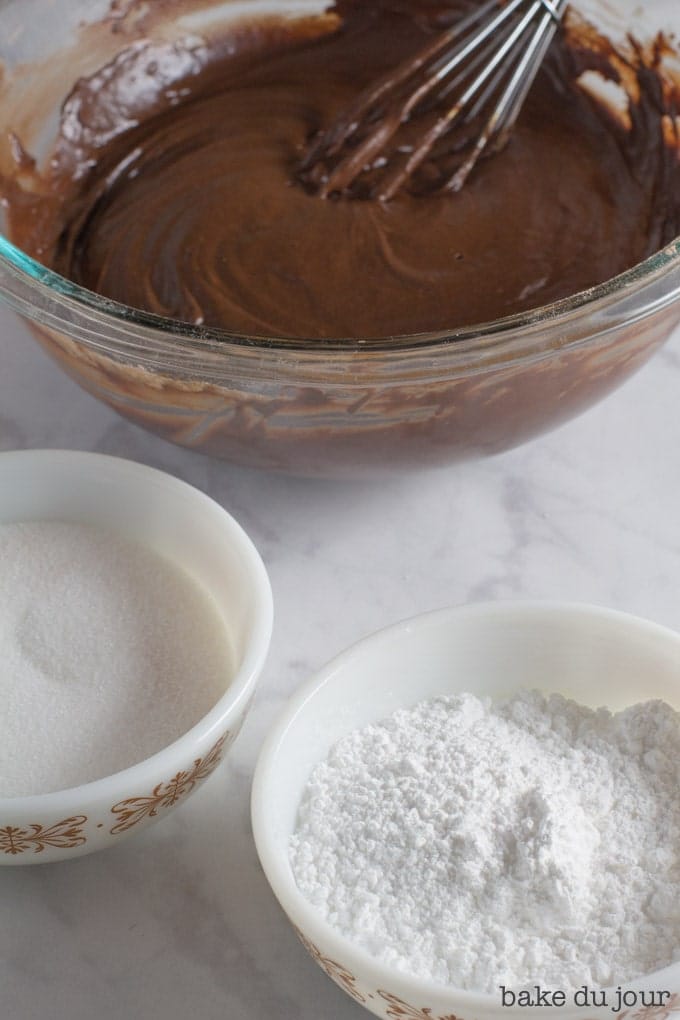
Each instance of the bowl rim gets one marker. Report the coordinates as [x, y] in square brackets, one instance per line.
[211, 725]
[22, 270]
[304, 916]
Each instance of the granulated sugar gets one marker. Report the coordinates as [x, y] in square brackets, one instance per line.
[108, 652]
[478, 844]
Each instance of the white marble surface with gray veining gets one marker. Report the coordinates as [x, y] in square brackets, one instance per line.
[179, 921]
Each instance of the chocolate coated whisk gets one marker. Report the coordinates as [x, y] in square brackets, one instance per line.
[483, 65]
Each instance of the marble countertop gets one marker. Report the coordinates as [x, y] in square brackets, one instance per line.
[179, 921]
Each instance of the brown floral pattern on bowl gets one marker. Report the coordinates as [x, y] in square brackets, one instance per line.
[651, 1012]
[133, 810]
[64, 834]
[335, 971]
[69, 833]
[398, 1009]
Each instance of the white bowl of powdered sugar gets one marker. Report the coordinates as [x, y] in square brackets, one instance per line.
[135, 617]
[477, 812]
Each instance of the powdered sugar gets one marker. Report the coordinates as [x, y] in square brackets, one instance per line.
[108, 652]
[477, 843]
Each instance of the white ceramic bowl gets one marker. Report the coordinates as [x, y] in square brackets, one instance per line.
[594, 655]
[175, 519]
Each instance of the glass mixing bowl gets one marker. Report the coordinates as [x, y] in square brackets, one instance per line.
[339, 407]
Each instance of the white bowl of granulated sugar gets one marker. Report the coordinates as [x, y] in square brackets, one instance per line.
[458, 830]
[135, 617]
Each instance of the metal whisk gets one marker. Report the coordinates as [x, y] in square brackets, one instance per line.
[455, 99]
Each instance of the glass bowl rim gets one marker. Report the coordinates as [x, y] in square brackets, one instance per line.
[468, 339]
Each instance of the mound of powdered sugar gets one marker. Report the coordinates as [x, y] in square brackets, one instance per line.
[477, 843]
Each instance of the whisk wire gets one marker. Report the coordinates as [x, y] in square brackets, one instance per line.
[488, 59]
[533, 56]
[393, 183]
[330, 142]
[505, 113]
[506, 12]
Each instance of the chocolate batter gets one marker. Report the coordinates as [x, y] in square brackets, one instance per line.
[192, 208]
